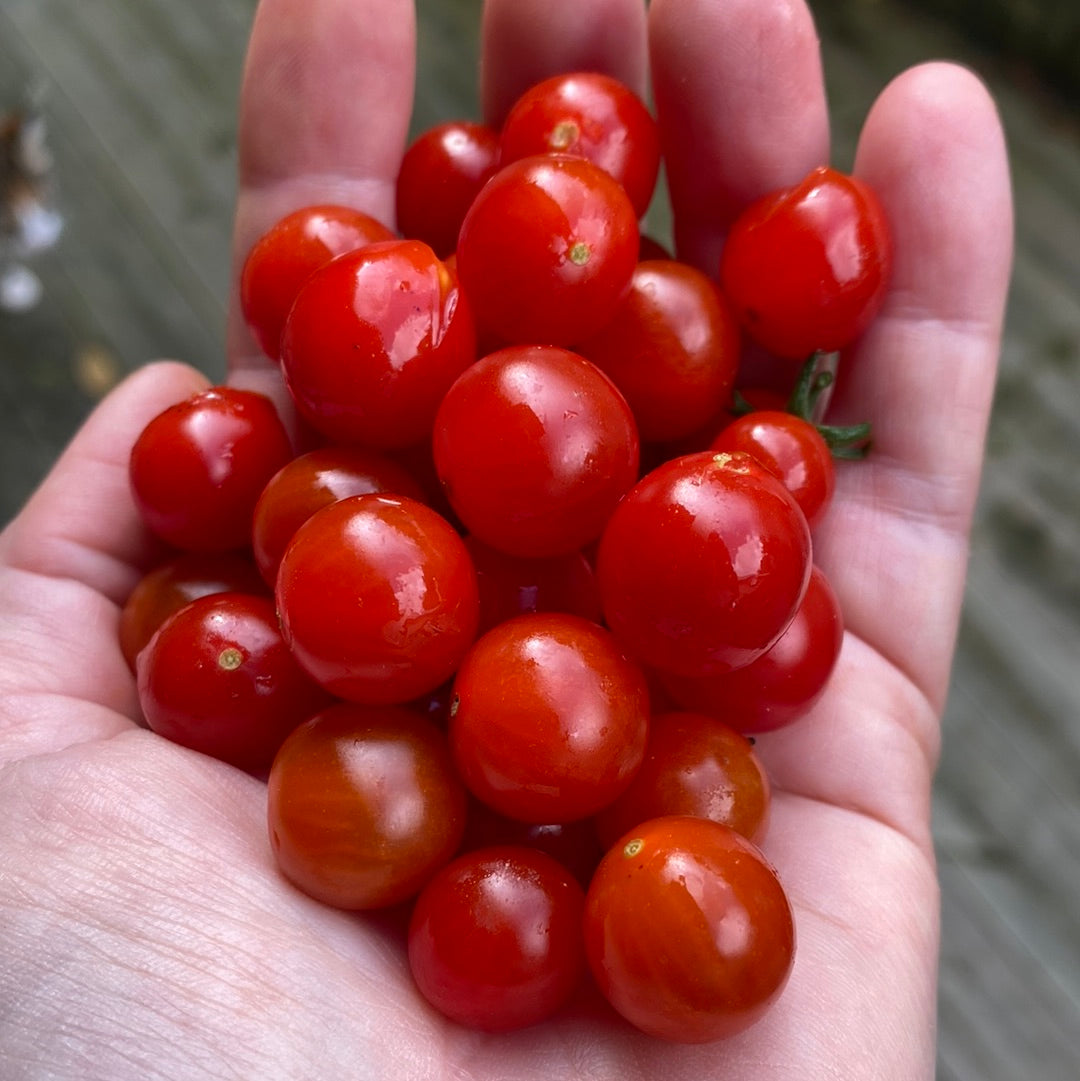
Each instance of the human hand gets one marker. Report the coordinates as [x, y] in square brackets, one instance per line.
[147, 931]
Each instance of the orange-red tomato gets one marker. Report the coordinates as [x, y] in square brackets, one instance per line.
[688, 931]
[694, 765]
[363, 805]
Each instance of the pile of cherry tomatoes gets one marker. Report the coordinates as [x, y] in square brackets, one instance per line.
[498, 630]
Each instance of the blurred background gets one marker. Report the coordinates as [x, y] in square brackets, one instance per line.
[137, 99]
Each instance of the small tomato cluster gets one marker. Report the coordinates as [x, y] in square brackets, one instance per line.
[499, 637]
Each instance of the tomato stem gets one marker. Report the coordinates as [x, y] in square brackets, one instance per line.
[845, 441]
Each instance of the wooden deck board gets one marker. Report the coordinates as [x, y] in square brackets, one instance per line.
[141, 99]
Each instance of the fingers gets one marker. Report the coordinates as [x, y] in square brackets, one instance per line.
[896, 546]
[741, 104]
[524, 41]
[324, 116]
[81, 524]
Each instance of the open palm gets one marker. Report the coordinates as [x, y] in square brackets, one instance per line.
[146, 932]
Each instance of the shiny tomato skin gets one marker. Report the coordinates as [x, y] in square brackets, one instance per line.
[288, 254]
[495, 939]
[310, 482]
[363, 805]
[549, 718]
[593, 116]
[792, 449]
[546, 251]
[688, 930]
[373, 341]
[671, 347]
[534, 447]
[784, 683]
[218, 678]
[378, 598]
[440, 174]
[197, 468]
[515, 585]
[703, 564]
[178, 581]
[806, 268]
[694, 765]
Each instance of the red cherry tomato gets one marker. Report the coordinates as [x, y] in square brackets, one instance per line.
[197, 468]
[688, 930]
[549, 718]
[378, 599]
[217, 677]
[288, 254]
[546, 251]
[593, 116]
[495, 940]
[694, 765]
[792, 449]
[515, 585]
[703, 565]
[177, 582]
[363, 805]
[806, 268]
[782, 684]
[440, 174]
[534, 446]
[671, 347]
[309, 483]
[373, 341]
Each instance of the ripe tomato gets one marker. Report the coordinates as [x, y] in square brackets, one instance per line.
[534, 446]
[378, 599]
[694, 765]
[592, 116]
[549, 718]
[288, 254]
[671, 347]
[363, 805]
[782, 684]
[217, 677]
[703, 564]
[439, 176]
[310, 482]
[495, 940]
[806, 268]
[688, 930]
[177, 582]
[373, 341]
[546, 251]
[197, 468]
[514, 585]
[792, 449]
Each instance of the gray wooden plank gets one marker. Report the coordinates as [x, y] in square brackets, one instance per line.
[987, 977]
[167, 154]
